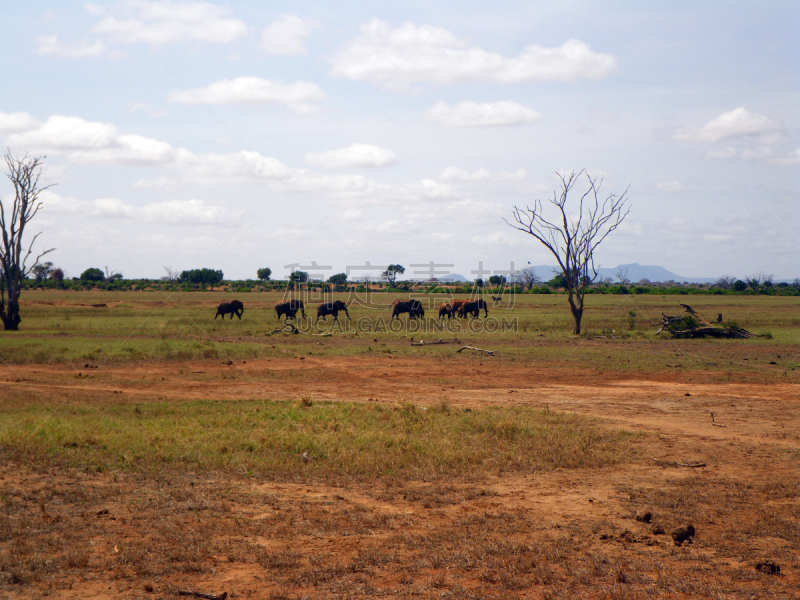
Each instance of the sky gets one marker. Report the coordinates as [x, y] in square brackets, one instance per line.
[343, 137]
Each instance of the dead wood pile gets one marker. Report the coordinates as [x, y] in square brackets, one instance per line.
[696, 326]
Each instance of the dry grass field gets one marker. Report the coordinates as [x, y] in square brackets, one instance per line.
[148, 450]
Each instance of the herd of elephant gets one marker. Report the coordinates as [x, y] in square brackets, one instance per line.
[414, 308]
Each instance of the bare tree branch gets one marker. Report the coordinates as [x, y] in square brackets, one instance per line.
[575, 238]
[24, 175]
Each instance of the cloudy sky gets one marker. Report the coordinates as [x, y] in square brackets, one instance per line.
[238, 135]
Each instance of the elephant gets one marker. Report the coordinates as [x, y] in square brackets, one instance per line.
[289, 309]
[331, 308]
[446, 309]
[234, 307]
[456, 304]
[412, 307]
[473, 308]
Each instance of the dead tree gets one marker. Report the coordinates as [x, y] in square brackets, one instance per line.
[528, 277]
[697, 326]
[575, 233]
[24, 174]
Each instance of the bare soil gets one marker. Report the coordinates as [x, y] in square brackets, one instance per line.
[570, 533]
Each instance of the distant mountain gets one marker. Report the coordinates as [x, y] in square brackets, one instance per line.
[636, 272]
[654, 273]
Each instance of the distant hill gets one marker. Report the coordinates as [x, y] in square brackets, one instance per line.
[636, 272]
[654, 273]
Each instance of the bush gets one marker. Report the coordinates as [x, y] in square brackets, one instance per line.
[93, 275]
[201, 276]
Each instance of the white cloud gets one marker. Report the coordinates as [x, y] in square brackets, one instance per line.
[499, 238]
[670, 186]
[357, 155]
[173, 212]
[63, 134]
[90, 140]
[727, 152]
[102, 143]
[435, 190]
[413, 54]
[793, 158]
[148, 110]
[299, 97]
[762, 154]
[737, 123]
[482, 174]
[165, 21]
[16, 122]
[472, 114]
[286, 36]
[49, 45]
[387, 226]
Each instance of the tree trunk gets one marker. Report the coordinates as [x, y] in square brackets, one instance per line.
[577, 314]
[576, 308]
[10, 317]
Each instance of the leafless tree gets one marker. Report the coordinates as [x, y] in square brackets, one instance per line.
[756, 281]
[24, 174]
[112, 275]
[622, 275]
[725, 282]
[172, 274]
[575, 232]
[528, 277]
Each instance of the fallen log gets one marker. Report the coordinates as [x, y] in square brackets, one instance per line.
[441, 341]
[288, 328]
[489, 352]
[695, 464]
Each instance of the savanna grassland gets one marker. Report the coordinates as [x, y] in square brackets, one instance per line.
[147, 449]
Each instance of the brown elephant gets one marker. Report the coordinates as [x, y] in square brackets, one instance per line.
[446, 309]
[412, 307]
[234, 307]
[457, 304]
[331, 308]
[473, 308]
[289, 309]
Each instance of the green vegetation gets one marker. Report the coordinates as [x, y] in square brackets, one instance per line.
[93, 274]
[66, 326]
[208, 277]
[270, 438]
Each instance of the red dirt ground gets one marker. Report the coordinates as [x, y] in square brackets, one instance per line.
[550, 535]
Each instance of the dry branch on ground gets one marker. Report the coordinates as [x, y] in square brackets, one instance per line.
[697, 326]
[489, 352]
[441, 341]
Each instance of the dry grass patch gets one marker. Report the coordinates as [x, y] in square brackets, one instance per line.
[305, 439]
